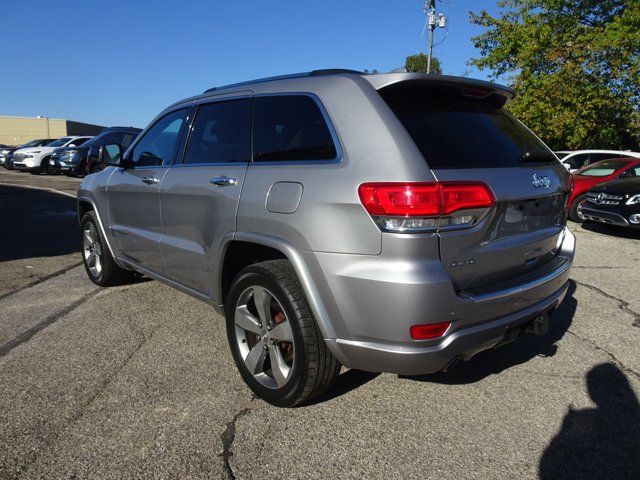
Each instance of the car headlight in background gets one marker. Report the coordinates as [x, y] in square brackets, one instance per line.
[635, 199]
[4, 152]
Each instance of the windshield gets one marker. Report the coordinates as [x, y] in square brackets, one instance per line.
[60, 142]
[32, 143]
[603, 168]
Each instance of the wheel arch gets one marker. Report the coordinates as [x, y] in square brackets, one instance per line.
[85, 205]
[279, 248]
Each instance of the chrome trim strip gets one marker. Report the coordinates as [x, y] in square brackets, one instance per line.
[487, 297]
[595, 213]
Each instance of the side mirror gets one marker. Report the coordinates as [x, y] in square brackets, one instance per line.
[110, 154]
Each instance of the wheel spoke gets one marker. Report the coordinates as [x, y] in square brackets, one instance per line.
[245, 320]
[256, 357]
[262, 299]
[282, 332]
[87, 238]
[91, 259]
[279, 368]
[92, 231]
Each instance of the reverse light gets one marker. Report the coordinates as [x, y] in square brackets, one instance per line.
[422, 207]
[428, 332]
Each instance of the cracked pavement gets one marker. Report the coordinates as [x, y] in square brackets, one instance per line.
[137, 381]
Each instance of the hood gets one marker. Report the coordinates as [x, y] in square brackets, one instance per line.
[623, 186]
[30, 150]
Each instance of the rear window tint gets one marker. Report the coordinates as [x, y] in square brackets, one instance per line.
[454, 131]
[290, 128]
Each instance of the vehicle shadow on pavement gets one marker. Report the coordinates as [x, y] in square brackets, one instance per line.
[517, 352]
[601, 442]
[611, 230]
[36, 223]
[345, 383]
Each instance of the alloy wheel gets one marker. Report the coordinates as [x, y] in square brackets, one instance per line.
[264, 337]
[92, 250]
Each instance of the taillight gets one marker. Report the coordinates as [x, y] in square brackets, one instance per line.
[427, 332]
[422, 207]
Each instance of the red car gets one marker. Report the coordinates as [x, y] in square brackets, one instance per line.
[595, 174]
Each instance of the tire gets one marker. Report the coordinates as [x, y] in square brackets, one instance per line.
[98, 262]
[47, 168]
[308, 367]
[574, 212]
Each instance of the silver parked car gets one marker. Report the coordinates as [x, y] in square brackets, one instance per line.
[397, 222]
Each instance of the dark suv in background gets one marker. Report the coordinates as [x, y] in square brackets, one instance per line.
[83, 160]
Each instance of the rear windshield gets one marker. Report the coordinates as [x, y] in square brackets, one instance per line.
[456, 131]
[603, 168]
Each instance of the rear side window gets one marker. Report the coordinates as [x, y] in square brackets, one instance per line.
[455, 131]
[221, 133]
[290, 128]
[603, 168]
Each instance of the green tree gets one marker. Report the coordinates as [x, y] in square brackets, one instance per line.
[418, 64]
[575, 65]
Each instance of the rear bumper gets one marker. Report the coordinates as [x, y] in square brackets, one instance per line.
[461, 344]
[373, 302]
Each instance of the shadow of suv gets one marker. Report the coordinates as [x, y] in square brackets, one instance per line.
[398, 222]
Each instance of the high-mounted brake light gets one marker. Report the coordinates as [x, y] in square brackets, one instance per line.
[420, 207]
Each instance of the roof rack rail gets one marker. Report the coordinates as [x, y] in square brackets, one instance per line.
[313, 73]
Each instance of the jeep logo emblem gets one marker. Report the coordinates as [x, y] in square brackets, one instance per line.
[541, 182]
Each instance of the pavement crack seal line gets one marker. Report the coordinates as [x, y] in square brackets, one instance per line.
[228, 437]
[28, 334]
[623, 304]
[40, 280]
[613, 358]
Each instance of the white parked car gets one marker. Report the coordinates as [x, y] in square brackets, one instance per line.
[575, 160]
[35, 158]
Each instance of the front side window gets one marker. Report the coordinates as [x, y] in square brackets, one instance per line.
[221, 133]
[158, 146]
[290, 128]
[603, 169]
[127, 138]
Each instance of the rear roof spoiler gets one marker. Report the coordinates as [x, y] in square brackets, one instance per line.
[380, 82]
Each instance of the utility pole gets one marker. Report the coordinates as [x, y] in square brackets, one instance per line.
[433, 21]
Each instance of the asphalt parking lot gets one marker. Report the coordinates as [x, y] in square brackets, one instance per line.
[138, 381]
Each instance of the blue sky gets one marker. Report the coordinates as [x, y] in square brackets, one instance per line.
[121, 62]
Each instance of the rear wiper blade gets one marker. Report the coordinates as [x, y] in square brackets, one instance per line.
[537, 156]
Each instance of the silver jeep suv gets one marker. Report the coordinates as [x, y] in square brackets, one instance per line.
[397, 222]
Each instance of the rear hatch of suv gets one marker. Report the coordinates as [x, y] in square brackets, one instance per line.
[465, 135]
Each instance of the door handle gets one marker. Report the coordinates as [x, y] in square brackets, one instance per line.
[223, 181]
[150, 180]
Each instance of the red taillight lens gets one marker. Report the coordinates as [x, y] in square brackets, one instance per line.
[427, 332]
[401, 199]
[464, 196]
[423, 199]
